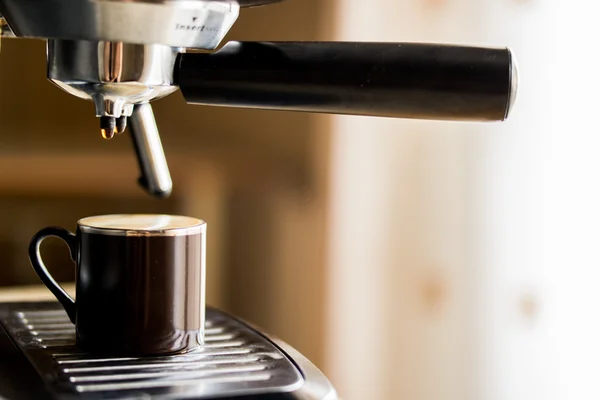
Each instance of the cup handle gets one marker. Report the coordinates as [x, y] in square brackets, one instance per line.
[38, 265]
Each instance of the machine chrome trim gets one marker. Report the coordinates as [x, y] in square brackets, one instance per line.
[198, 24]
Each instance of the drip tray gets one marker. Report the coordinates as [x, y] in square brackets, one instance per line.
[235, 361]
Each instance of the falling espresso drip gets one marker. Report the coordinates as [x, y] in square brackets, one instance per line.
[108, 127]
[106, 134]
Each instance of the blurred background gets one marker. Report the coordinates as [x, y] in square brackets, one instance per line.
[407, 259]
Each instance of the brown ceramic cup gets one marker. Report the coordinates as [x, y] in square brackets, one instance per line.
[140, 282]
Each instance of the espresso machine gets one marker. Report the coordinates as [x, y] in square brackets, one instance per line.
[123, 54]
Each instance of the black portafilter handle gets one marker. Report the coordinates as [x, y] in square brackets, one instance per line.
[403, 80]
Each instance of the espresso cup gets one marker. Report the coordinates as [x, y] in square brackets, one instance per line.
[140, 282]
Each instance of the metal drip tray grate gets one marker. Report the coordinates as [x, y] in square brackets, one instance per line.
[235, 360]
